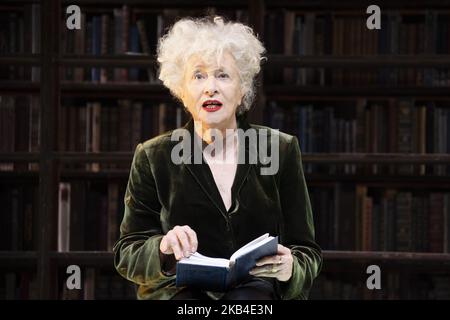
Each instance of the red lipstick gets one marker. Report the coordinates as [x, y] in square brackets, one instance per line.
[211, 105]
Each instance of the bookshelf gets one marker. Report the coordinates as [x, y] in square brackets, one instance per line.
[60, 96]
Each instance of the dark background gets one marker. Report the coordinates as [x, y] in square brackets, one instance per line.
[370, 109]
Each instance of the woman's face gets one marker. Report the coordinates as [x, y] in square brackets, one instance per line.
[212, 92]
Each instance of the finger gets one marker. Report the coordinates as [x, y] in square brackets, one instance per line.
[175, 245]
[266, 269]
[192, 238]
[163, 245]
[282, 250]
[183, 240]
[277, 259]
[267, 275]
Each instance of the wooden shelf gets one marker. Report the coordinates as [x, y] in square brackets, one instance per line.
[19, 1]
[20, 177]
[392, 181]
[347, 262]
[326, 158]
[105, 90]
[106, 259]
[95, 157]
[374, 61]
[376, 158]
[314, 180]
[102, 175]
[159, 4]
[142, 60]
[139, 60]
[281, 92]
[13, 259]
[84, 258]
[142, 90]
[356, 4]
[19, 88]
[19, 156]
[332, 158]
[392, 256]
[311, 178]
[21, 59]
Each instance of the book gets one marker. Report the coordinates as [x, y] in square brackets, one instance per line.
[218, 274]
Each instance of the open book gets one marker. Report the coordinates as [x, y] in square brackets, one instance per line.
[217, 274]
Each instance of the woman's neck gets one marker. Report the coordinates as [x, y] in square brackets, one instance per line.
[210, 134]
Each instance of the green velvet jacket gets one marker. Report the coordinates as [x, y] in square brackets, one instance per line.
[161, 195]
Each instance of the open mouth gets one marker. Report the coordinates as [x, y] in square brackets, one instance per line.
[211, 105]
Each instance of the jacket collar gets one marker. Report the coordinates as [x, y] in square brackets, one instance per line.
[203, 175]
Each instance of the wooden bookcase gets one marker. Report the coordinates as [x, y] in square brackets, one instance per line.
[46, 262]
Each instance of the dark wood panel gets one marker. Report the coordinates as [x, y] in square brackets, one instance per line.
[19, 88]
[18, 259]
[159, 3]
[84, 258]
[104, 258]
[379, 158]
[357, 4]
[360, 61]
[137, 60]
[281, 92]
[25, 59]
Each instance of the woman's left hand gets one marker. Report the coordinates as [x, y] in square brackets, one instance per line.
[278, 266]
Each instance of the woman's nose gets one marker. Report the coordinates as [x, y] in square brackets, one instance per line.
[210, 86]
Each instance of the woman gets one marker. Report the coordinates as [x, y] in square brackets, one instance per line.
[173, 208]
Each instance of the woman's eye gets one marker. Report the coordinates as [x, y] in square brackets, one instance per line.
[198, 76]
[223, 75]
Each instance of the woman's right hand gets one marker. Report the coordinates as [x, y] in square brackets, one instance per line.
[180, 241]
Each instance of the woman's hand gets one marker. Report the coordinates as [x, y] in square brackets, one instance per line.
[180, 241]
[278, 266]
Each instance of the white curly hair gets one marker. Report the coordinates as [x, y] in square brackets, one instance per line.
[210, 37]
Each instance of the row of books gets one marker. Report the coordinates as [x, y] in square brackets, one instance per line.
[360, 125]
[89, 215]
[347, 217]
[346, 34]
[394, 286]
[18, 216]
[370, 77]
[116, 126]
[118, 30]
[19, 127]
[95, 284]
[18, 285]
[20, 33]
[401, 125]
[381, 219]
[383, 126]
[125, 30]
[98, 284]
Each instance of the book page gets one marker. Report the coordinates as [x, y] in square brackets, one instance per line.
[251, 245]
[199, 259]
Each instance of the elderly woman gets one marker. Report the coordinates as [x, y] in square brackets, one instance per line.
[173, 209]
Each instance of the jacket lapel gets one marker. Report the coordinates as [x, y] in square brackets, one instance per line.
[243, 169]
[201, 171]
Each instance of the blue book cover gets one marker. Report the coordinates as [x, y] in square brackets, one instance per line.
[217, 274]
